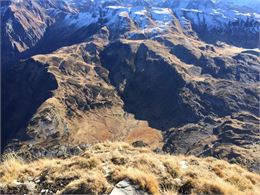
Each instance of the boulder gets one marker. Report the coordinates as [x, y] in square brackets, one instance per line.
[124, 187]
[139, 143]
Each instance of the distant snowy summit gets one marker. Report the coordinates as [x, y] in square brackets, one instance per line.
[211, 20]
[234, 22]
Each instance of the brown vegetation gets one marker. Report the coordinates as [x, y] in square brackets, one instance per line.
[103, 165]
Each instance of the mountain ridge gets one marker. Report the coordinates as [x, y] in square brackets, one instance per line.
[131, 71]
[215, 18]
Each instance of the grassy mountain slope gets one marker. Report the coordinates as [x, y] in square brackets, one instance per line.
[99, 169]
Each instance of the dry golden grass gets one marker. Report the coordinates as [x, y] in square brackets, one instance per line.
[92, 182]
[103, 165]
[11, 167]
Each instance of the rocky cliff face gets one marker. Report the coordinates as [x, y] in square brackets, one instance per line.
[83, 106]
[23, 25]
[131, 71]
[32, 86]
[233, 22]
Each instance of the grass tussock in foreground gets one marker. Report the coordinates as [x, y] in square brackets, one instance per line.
[102, 166]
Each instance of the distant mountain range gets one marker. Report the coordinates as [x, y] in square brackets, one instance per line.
[28, 26]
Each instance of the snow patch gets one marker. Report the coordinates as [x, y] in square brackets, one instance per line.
[163, 16]
[81, 19]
